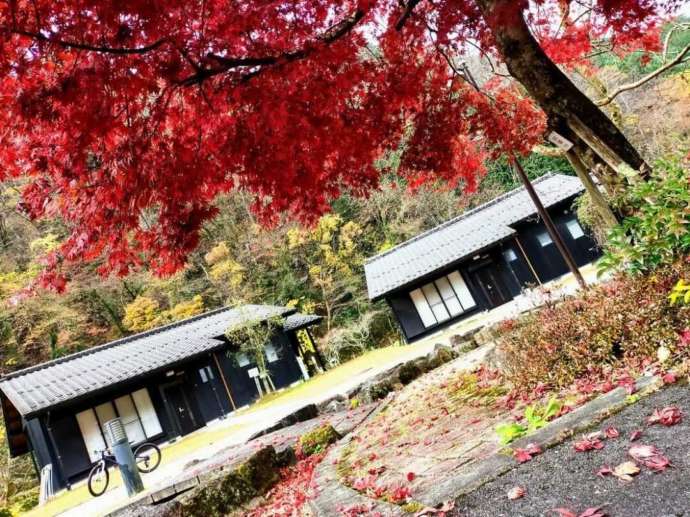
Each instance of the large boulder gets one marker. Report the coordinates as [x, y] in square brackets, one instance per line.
[225, 491]
[441, 355]
[409, 372]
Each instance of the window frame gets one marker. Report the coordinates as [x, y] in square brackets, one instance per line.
[580, 229]
[450, 315]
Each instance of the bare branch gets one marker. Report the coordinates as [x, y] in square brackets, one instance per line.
[84, 46]
[258, 63]
[409, 8]
[631, 86]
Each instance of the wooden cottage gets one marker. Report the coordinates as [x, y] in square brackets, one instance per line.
[163, 383]
[480, 259]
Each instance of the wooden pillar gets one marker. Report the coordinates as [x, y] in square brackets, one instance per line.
[548, 222]
[225, 382]
[529, 262]
[317, 352]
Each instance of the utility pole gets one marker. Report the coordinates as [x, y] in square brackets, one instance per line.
[548, 222]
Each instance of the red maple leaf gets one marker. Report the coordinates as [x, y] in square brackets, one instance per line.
[635, 435]
[649, 456]
[667, 416]
[669, 378]
[525, 455]
[611, 432]
[589, 442]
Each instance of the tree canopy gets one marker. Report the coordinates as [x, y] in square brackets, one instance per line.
[128, 119]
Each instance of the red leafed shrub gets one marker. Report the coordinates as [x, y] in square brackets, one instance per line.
[614, 324]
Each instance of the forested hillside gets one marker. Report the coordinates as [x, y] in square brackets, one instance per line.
[317, 269]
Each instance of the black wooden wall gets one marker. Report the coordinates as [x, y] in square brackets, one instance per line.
[514, 277]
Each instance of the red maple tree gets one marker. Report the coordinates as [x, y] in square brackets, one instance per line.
[128, 118]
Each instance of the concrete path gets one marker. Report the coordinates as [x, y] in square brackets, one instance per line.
[564, 478]
[240, 428]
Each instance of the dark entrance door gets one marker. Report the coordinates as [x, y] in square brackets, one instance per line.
[491, 285]
[179, 408]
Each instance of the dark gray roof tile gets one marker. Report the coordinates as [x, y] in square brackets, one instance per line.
[46, 385]
[462, 236]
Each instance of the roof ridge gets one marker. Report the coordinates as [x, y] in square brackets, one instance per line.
[460, 217]
[124, 340]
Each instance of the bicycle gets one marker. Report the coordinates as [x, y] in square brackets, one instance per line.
[147, 456]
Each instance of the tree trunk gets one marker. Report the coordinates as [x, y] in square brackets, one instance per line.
[570, 111]
[598, 200]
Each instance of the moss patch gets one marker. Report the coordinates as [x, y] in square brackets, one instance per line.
[317, 440]
[225, 492]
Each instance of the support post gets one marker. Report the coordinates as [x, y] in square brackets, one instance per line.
[548, 222]
[225, 382]
[529, 262]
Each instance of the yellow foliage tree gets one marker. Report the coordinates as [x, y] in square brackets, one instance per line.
[223, 267]
[333, 255]
[142, 314]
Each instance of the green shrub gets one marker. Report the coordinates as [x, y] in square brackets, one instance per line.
[623, 320]
[409, 372]
[658, 232]
[317, 440]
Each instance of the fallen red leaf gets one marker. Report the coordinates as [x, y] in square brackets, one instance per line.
[649, 456]
[669, 378]
[589, 442]
[635, 435]
[564, 512]
[516, 493]
[604, 471]
[611, 432]
[667, 416]
[592, 512]
[533, 449]
[525, 455]
[521, 455]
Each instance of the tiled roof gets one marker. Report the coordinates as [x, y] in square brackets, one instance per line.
[299, 321]
[47, 385]
[462, 236]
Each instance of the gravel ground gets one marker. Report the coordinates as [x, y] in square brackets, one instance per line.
[562, 477]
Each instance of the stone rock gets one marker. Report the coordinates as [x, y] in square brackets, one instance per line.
[333, 405]
[423, 364]
[301, 415]
[441, 355]
[409, 372]
[225, 491]
[318, 439]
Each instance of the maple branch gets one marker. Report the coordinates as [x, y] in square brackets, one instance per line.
[409, 7]
[631, 86]
[333, 34]
[84, 46]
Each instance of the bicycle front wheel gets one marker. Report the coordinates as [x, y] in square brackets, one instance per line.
[147, 457]
[98, 479]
